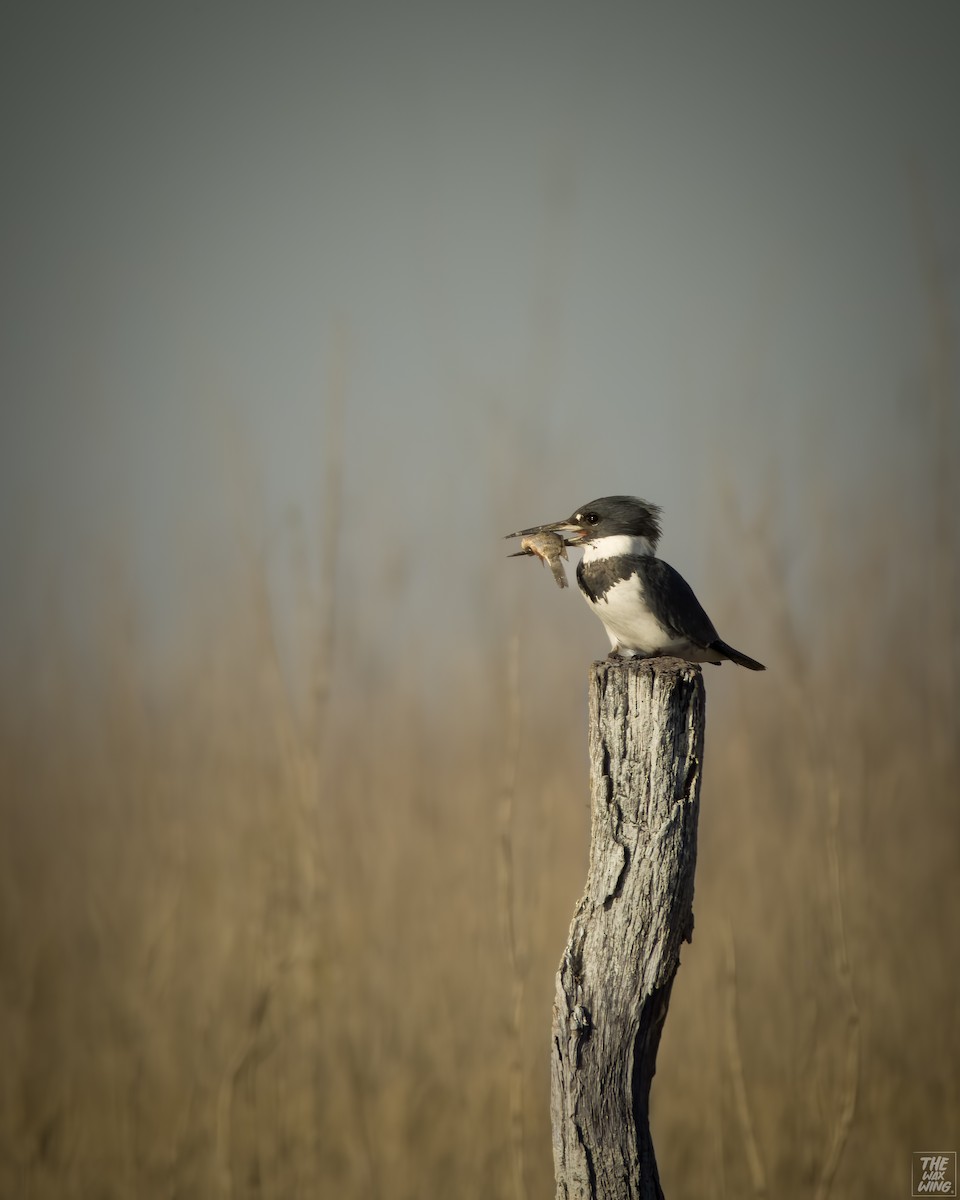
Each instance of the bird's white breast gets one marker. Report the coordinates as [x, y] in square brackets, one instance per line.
[627, 618]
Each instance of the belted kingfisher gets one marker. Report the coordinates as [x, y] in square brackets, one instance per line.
[647, 608]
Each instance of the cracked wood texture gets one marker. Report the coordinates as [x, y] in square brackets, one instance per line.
[613, 986]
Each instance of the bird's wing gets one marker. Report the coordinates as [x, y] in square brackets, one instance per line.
[682, 611]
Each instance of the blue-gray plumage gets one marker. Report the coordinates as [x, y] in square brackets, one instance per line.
[647, 608]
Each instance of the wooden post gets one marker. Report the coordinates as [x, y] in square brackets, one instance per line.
[613, 985]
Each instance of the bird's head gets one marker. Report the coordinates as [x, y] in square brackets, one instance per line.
[609, 517]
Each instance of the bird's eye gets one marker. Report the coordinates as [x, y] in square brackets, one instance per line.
[591, 518]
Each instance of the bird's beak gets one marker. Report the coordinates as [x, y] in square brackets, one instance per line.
[553, 527]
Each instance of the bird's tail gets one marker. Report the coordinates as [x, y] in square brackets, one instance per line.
[743, 660]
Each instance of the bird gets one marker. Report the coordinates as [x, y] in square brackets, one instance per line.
[647, 608]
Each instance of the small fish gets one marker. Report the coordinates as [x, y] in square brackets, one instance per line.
[549, 548]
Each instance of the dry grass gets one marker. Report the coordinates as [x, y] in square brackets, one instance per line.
[252, 947]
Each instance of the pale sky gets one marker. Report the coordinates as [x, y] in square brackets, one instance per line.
[573, 250]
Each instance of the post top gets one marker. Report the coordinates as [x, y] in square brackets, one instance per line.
[662, 665]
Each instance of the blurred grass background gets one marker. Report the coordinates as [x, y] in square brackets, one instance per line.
[286, 925]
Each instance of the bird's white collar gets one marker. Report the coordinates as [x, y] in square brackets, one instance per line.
[615, 547]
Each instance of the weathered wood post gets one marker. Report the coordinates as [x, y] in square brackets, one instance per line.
[613, 985]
